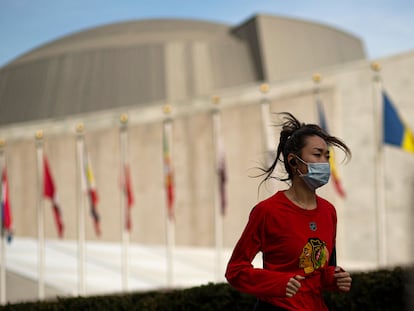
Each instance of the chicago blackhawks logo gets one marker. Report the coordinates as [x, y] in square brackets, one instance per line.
[314, 255]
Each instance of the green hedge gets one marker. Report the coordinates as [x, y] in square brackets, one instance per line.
[386, 290]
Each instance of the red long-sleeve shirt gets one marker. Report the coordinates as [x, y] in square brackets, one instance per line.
[293, 241]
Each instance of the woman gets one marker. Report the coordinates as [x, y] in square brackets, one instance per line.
[295, 229]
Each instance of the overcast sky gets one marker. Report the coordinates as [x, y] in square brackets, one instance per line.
[385, 26]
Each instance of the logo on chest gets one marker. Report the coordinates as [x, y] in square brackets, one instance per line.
[313, 226]
[314, 255]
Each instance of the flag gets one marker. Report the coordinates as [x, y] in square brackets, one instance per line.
[220, 163]
[222, 177]
[334, 170]
[129, 196]
[88, 181]
[395, 131]
[168, 169]
[49, 192]
[5, 207]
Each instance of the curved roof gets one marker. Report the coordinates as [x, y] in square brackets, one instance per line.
[142, 62]
[126, 34]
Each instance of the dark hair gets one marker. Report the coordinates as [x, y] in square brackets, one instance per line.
[292, 140]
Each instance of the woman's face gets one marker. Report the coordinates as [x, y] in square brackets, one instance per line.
[315, 150]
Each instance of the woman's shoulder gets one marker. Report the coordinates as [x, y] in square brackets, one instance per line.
[326, 205]
[324, 202]
[273, 201]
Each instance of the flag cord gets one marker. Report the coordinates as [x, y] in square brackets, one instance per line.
[379, 174]
[3, 246]
[81, 215]
[40, 220]
[123, 137]
[218, 208]
[169, 191]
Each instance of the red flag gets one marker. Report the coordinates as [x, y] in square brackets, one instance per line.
[89, 182]
[168, 169]
[222, 175]
[335, 175]
[49, 191]
[5, 207]
[127, 187]
[220, 161]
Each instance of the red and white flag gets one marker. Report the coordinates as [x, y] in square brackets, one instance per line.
[5, 207]
[129, 196]
[168, 168]
[49, 192]
[334, 170]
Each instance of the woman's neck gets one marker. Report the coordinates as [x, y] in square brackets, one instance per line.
[302, 197]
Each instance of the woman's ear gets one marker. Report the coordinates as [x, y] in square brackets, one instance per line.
[292, 160]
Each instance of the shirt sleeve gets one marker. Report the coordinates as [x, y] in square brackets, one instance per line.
[240, 272]
[328, 279]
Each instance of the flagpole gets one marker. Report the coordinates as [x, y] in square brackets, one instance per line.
[81, 209]
[170, 221]
[268, 144]
[379, 171]
[218, 213]
[316, 77]
[125, 235]
[40, 215]
[3, 245]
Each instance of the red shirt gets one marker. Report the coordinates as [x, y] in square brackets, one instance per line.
[293, 241]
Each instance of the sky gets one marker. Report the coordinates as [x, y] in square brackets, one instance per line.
[386, 27]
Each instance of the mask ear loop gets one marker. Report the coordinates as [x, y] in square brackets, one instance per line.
[300, 173]
[299, 158]
[297, 169]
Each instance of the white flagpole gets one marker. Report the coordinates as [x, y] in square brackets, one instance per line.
[317, 78]
[170, 222]
[125, 235]
[379, 172]
[81, 208]
[267, 135]
[218, 215]
[170, 251]
[40, 216]
[3, 246]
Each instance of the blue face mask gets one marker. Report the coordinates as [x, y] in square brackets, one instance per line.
[317, 176]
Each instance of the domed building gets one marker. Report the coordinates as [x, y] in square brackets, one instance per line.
[143, 62]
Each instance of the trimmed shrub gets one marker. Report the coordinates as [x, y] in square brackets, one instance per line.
[382, 290]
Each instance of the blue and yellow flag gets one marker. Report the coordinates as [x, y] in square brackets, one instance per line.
[395, 131]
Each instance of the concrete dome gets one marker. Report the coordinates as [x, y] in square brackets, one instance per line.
[150, 61]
